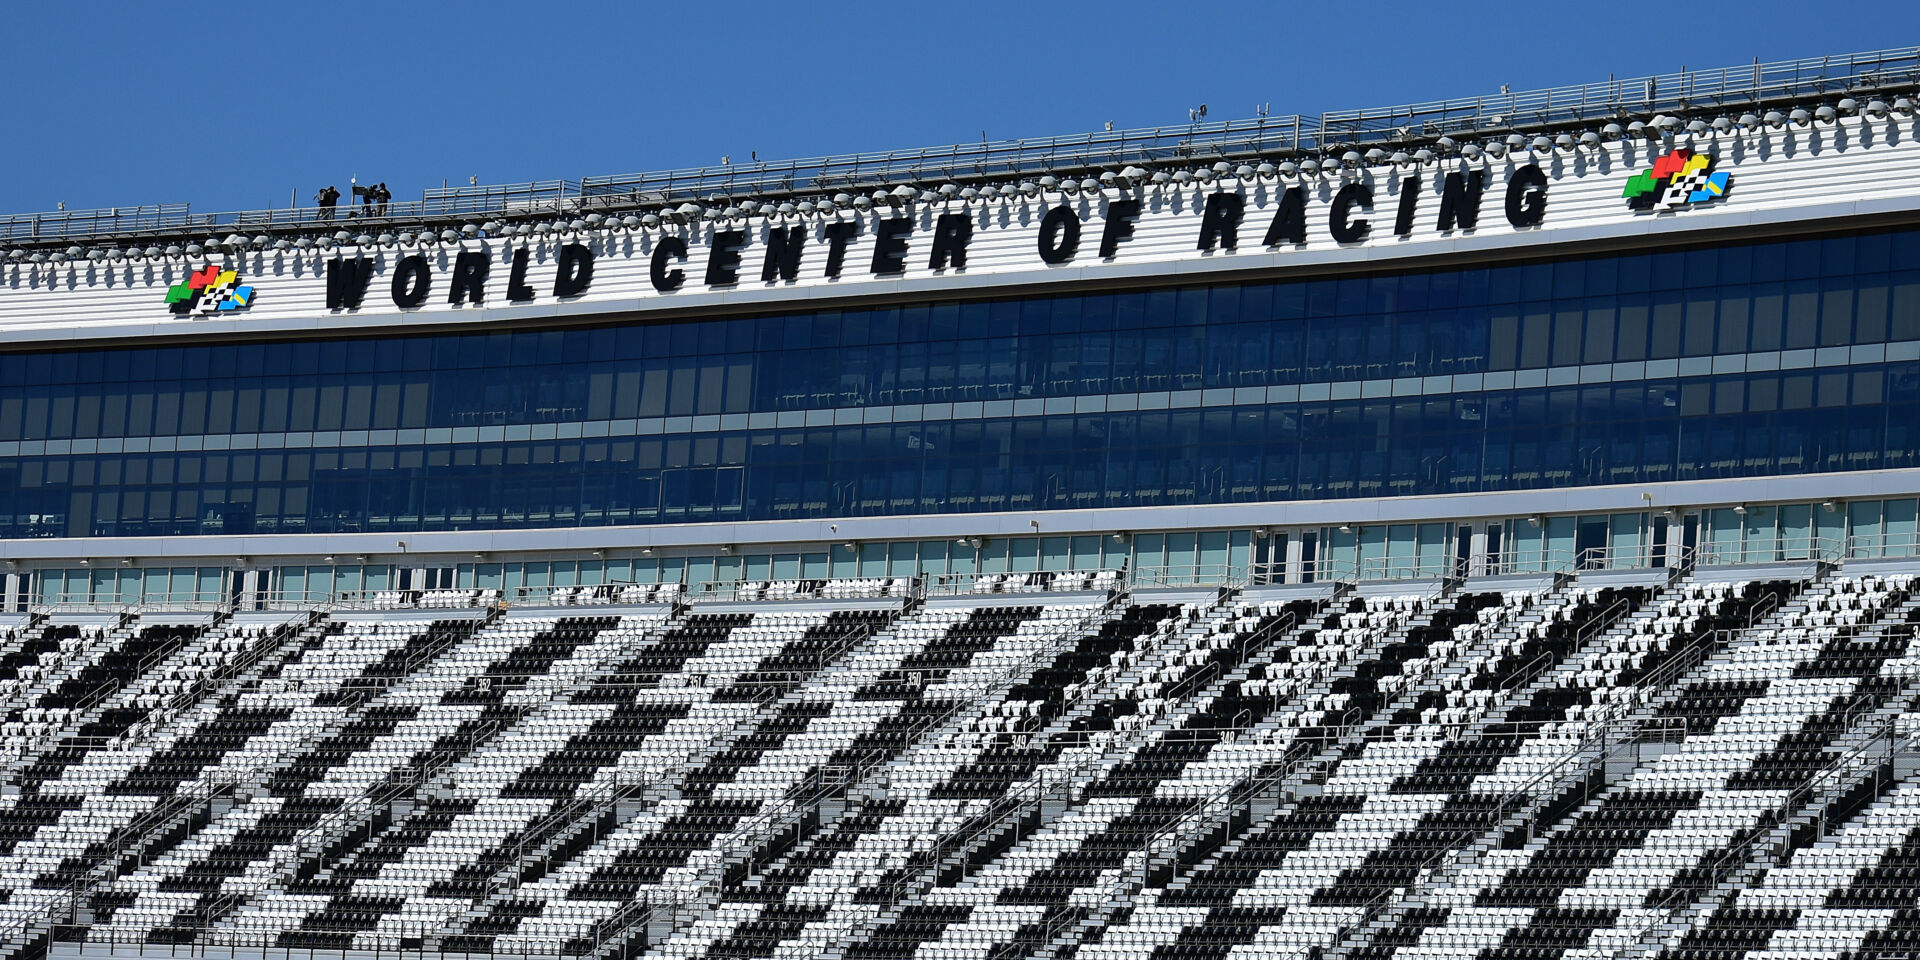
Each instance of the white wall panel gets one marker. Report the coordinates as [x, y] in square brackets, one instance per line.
[1858, 167]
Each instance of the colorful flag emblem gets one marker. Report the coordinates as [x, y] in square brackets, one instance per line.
[1682, 178]
[209, 290]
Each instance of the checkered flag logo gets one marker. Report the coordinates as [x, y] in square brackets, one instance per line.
[207, 291]
[1682, 178]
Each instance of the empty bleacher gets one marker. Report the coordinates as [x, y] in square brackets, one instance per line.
[1715, 763]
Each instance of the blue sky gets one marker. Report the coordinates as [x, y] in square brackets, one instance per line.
[236, 106]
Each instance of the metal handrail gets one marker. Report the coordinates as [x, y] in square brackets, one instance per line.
[1751, 85]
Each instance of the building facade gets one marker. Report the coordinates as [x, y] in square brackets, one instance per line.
[1524, 351]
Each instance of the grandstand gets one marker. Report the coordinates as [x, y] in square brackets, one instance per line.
[1273, 555]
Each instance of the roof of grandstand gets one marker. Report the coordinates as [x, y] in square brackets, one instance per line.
[822, 183]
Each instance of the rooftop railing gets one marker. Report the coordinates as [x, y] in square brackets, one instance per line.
[1724, 88]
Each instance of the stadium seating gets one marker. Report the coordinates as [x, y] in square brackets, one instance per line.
[1708, 765]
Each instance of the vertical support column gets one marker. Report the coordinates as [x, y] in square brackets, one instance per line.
[15, 584]
[1296, 559]
[1477, 553]
[249, 589]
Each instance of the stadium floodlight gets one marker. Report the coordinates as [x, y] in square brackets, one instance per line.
[686, 211]
[1903, 106]
[1203, 175]
[1496, 148]
[1267, 170]
[863, 202]
[949, 190]
[1309, 168]
[785, 209]
[1289, 169]
[969, 193]
[1800, 118]
[1848, 106]
[1133, 174]
[38, 258]
[193, 250]
[385, 239]
[449, 235]
[903, 194]
[363, 240]
[1046, 183]
[1400, 158]
[1776, 119]
[1376, 156]
[1590, 140]
[235, 241]
[1722, 125]
[1423, 155]
[1471, 151]
[492, 227]
[1447, 144]
[1825, 114]
[1543, 145]
[928, 196]
[650, 220]
[1613, 131]
[1090, 185]
[733, 213]
[1697, 126]
[1876, 109]
[1351, 158]
[1161, 177]
[806, 208]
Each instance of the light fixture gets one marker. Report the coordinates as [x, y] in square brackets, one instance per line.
[849, 546]
[1034, 524]
[1119, 536]
[1740, 511]
[646, 551]
[85, 562]
[1829, 506]
[1345, 528]
[1535, 520]
[975, 542]
[1260, 533]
